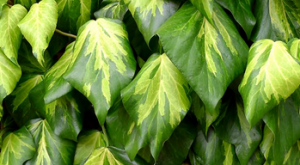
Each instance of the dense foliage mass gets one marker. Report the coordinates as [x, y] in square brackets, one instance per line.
[136, 82]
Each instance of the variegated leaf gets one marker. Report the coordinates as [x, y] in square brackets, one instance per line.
[157, 100]
[241, 10]
[194, 46]
[276, 19]
[151, 14]
[284, 123]
[205, 7]
[88, 141]
[111, 155]
[104, 63]
[11, 37]
[115, 9]
[212, 150]
[272, 75]
[64, 115]
[293, 156]
[50, 148]
[10, 73]
[18, 146]
[235, 129]
[38, 27]
[18, 103]
[56, 86]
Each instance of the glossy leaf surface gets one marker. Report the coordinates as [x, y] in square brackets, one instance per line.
[156, 107]
[11, 37]
[44, 18]
[17, 147]
[50, 148]
[194, 46]
[103, 48]
[272, 75]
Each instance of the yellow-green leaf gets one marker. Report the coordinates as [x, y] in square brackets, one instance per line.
[104, 63]
[157, 100]
[11, 37]
[18, 146]
[38, 27]
[272, 75]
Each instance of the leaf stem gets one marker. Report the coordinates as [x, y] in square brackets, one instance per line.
[105, 135]
[65, 34]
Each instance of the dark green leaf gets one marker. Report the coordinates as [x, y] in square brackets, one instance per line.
[194, 46]
[17, 147]
[26, 3]
[104, 63]
[176, 149]
[157, 100]
[284, 123]
[213, 150]
[242, 13]
[29, 63]
[235, 129]
[123, 132]
[18, 103]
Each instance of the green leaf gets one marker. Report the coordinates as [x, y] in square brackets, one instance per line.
[293, 156]
[10, 73]
[284, 123]
[2, 4]
[119, 124]
[257, 158]
[294, 46]
[176, 149]
[104, 63]
[111, 155]
[57, 45]
[56, 86]
[150, 15]
[50, 148]
[88, 141]
[38, 27]
[25, 3]
[136, 39]
[116, 9]
[157, 100]
[204, 118]
[206, 8]
[81, 11]
[213, 150]
[17, 147]
[235, 129]
[18, 103]
[277, 20]
[195, 46]
[272, 75]
[241, 10]
[11, 37]
[29, 63]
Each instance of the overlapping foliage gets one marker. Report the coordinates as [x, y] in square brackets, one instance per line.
[150, 82]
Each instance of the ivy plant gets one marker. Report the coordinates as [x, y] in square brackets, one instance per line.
[138, 82]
